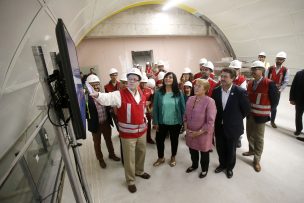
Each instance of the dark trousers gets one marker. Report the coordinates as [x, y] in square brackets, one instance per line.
[106, 130]
[274, 109]
[161, 136]
[299, 115]
[204, 159]
[149, 118]
[226, 149]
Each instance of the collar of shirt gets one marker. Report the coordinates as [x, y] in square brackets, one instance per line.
[136, 95]
[228, 91]
[258, 82]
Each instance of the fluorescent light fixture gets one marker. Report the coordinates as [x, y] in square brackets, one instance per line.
[171, 4]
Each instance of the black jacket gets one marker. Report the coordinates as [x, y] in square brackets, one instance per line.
[297, 89]
[92, 116]
[237, 108]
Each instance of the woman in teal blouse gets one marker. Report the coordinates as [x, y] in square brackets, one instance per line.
[168, 110]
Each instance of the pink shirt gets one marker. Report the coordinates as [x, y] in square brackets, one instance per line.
[200, 115]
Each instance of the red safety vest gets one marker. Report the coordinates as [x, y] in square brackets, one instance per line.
[130, 115]
[277, 77]
[199, 75]
[111, 88]
[239, 80]
[259, 99]
[147, 92]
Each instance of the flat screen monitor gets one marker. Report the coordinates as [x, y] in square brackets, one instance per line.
[69, 69]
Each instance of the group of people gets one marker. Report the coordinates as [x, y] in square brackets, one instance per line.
[204, 108]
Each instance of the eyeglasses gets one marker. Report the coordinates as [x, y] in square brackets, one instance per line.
[133, 80]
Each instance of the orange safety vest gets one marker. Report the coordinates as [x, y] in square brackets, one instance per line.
[130, 115]
[259, 98]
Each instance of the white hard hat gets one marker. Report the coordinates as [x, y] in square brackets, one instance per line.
[135, 71]
[92, 78]
[124, 77]
[144, 78]
[257, 64]
[160, 63]
[161, 75]
[281, 54]
[188, 83]
[151, 83]
[187, 70]
[209, 65]
[235, 64]
[202, 61]
[148, 63]
[262, 54]
[112, 70]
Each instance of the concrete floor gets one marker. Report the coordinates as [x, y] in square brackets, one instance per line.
[281, 178]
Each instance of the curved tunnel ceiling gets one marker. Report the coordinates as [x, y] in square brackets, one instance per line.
[250, 26]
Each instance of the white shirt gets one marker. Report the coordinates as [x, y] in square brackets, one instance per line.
[114, 98]
[225, 96]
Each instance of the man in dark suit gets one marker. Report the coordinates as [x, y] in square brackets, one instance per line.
[232, 107]
[296, 97]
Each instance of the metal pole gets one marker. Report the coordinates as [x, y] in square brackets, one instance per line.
[78, 160]
[43, 76]
[27, 173]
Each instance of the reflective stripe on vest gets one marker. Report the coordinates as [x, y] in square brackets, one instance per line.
[259, 99]
[126, 125]
[128, 112]
[127, 130]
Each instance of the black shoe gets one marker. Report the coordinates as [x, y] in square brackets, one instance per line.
[144, 175]
[297, 133]
[219, 169]
[203, 174]
[190, 169]
[301, 138]
[102, 163]
[229, 173]
[273, 125]
[114, 157]
[132, 188]
[150, 141]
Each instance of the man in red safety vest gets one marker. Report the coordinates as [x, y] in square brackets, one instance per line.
[131, 104]
[202, 62]
[206, 71]
[279, 74]
[263, 95]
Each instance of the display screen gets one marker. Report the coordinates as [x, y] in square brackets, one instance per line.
[70, 71]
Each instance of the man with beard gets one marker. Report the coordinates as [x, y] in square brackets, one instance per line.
[279, 74]
[99, 122]
[206, 69]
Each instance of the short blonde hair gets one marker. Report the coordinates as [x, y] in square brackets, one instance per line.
[203, 83]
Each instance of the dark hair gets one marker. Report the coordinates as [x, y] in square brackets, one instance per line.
[175, 89]
[231, 72]
[191, 76]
